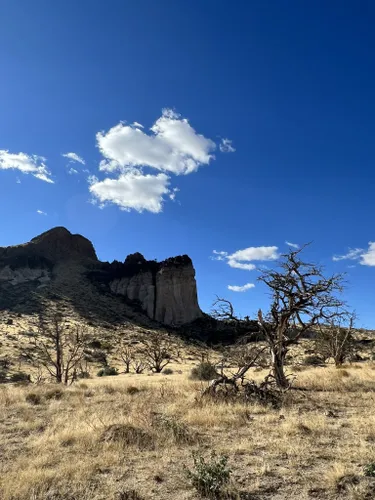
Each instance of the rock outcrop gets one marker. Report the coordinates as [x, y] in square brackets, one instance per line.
[166, 291]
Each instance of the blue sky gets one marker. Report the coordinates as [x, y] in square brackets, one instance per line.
[288, 84]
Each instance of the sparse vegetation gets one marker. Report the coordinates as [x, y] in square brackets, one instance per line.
[209, 476]
[107, 371]
[204, 371]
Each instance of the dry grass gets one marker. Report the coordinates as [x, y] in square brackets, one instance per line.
[102, 437]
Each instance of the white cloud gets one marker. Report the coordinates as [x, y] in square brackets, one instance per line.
[352, 254]
[73, 157]
[72, 171]
[132, 191]
[293, 245]
[235, 288]
[226, 146]
[27, 164]
[368, 258]
[172, 146]
[255, 253]
[138, 125]
[242, 259]
[240, 265]
[40, 212]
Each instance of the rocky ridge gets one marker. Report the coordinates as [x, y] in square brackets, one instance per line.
[165, 291]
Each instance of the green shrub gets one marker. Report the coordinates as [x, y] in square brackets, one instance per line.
[369, 469]
[107, 371]
[209, 477]
[204, 371]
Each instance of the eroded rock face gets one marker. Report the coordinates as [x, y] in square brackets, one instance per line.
[167, 291]
[23, 275]
[139, 287]
[176, 295]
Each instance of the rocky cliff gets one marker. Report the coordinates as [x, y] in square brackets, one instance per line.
[165, 291]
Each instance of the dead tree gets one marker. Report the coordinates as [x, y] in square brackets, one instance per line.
[127, 356]
[335, 339]
[58, 348]
[302, 298]
[158, 351]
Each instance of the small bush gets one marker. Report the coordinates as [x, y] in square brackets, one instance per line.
[204, 371]
[33, 398]
[313, 360]
[128, 495]
[209, 477]
[173, 428]
[128, 435]
[107, 371]
[20, 377]
[84, 375]
[55, 393]
[132, 390]
[369, 469]
[167, 371]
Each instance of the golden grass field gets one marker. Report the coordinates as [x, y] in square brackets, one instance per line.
[56, 443]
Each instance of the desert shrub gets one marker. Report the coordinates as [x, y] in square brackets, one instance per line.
[107, 371]
[174, 428]
[204, 371]
[313, 360]
[132, 390]
[54, 393]
[20, 377]
[84, 374]
[33, 398]
[128, 435]
[167, 371]
[209, 477]
[369, 469]
[128, 495]
[3, 377]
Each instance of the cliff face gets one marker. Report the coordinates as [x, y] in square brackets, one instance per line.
[166, 291]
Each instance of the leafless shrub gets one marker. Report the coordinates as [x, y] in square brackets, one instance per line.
[57, 349]
[335, 339]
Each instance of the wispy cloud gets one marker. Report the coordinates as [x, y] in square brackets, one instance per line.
[293, 245]
[364, 257]
[243, 288]
[74, 158]
[352, 254]
[40, 212]
[73, 171]
[27, 164]
[242, 259]
[226, 146]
